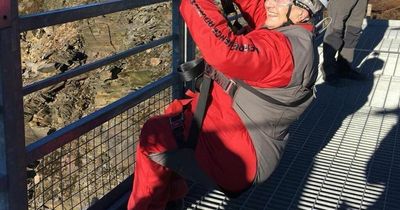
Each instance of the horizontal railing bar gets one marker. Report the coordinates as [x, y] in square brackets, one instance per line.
[59, 16]
[91, 66]
[68, 133]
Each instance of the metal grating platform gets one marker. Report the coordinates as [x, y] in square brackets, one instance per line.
[344, 152]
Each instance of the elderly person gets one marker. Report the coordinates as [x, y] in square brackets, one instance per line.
[244, 132]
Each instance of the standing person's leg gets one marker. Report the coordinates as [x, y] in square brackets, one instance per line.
[352, 34]
[339, 11]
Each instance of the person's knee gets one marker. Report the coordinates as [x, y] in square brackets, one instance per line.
[156, 135]
[352, 33]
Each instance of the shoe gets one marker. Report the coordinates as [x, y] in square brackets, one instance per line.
[353, 75]
[332, 79]
[346, 71]
[343, 65]
[175, 205]
[329, 74]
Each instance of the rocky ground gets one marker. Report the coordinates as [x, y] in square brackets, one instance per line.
[53, 50]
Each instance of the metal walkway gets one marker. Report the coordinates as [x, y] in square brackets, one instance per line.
[344, 152]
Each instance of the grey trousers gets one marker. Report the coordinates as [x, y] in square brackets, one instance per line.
[344, 32]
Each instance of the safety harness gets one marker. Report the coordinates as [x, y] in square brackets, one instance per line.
[191, 71]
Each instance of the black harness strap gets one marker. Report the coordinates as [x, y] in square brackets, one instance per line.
[289, 21]
[198, 117]
[228, 85]
[177, 122]
[177, 127]
[228, 8]
[191, 70]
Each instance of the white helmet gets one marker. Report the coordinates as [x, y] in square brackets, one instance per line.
[324, 2]
[313, 6]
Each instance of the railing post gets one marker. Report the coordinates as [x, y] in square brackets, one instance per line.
[13, 193]
[183, 45]
[178, 45]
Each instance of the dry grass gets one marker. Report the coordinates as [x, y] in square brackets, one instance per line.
[385, 9]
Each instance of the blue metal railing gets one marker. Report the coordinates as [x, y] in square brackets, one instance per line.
[59, 138]
[40, 20]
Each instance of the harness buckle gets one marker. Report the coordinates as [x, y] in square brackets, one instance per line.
[176, 121]
[231, 87]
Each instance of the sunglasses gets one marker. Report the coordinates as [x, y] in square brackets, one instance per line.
[281, 2]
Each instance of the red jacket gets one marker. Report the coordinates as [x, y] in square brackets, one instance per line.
[262, 58]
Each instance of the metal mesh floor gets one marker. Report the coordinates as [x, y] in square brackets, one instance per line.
[344, 152]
